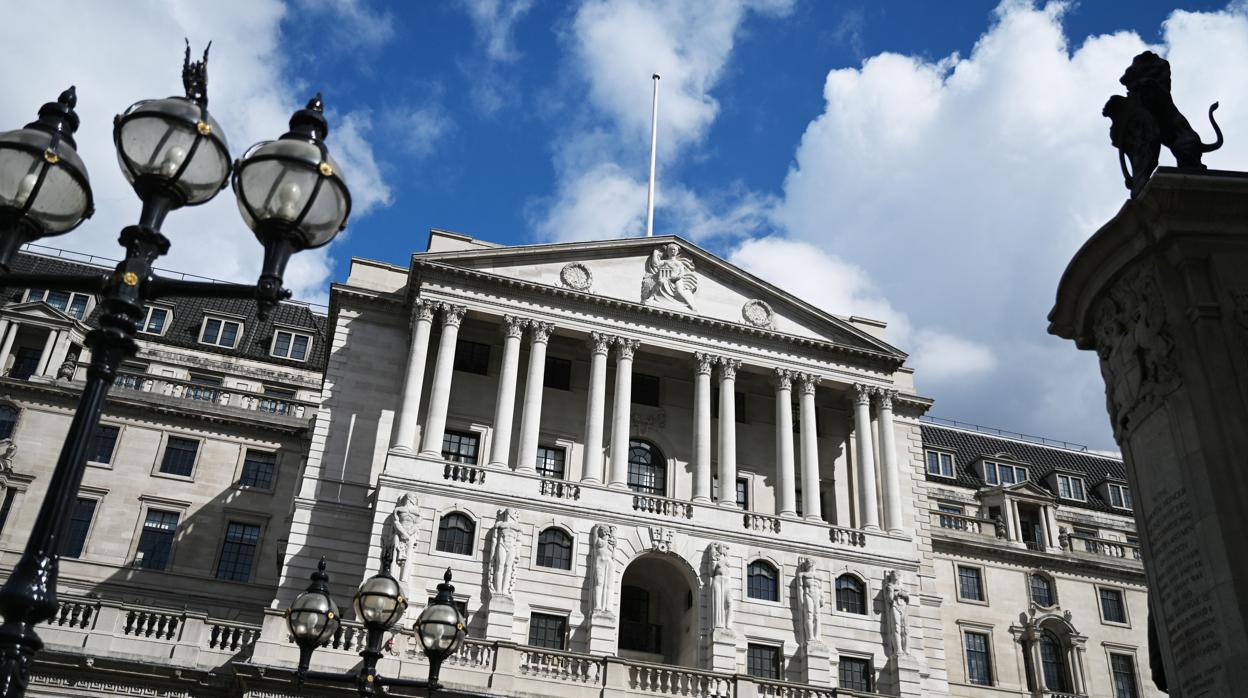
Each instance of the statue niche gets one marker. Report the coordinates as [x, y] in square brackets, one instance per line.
[1147, 118]
[670, 281]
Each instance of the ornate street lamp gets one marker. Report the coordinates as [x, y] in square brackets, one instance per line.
[174, 154]
[312, 620]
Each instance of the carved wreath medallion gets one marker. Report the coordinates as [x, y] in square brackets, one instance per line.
[758, 314]
[576, 276]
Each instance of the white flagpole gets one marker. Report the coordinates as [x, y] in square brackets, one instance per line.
[654, 133]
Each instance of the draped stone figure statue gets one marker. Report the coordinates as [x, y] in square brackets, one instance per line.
[503, 556]
[8, 451]
[602, 568]
[670, 281]
[810, 600]
[896, 602]
[721, 598]
[403, 524]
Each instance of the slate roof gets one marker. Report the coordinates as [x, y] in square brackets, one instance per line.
[188, 316]
[969, 447]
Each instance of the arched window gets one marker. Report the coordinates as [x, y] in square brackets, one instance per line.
[455, 534]
[554, 549]
[1053, 663]
[1041, 590]
[851, 597]
[8, 420]
[762, 581]
[647, 468]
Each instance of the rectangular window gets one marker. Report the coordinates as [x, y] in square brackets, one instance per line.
[220, 332]
[9, 495]
[291, 345]
[179, 456]
[79, 523]
[1070, 487]
[978, 659]
[155, 320]
[939, 463]
[762, 661]
[855, 673]
[1123, 668]
[548, 630]
[743, 493]
[460, 446]
[1112, 608]
[103, 442]
[72, 304]
[558, 374]
[238, 552]
[970, 583]
[156, 540]
[472, 357]
[646, 390]
[550, 462]
[1003, 474]
[258, 467]
[1119, 496]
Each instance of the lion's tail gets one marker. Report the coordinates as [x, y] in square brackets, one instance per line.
[1206, 147]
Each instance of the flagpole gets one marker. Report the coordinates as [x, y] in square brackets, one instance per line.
[654, 132]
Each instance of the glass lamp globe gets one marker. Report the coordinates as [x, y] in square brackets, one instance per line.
[44, 189]
[291, 188]
[439, 626]
[172, 146]
[380, 601]
[313, 618]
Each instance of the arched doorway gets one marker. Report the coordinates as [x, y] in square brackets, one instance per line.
[658, 614]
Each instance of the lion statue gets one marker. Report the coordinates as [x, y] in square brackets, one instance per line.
[1146, 119]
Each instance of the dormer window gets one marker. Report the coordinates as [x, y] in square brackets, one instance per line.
[996, 473]
[1119, 496]
[156, 320]
[220, 332]
[291, 345]
[940, 463]
[1071, 487]
[72, 304]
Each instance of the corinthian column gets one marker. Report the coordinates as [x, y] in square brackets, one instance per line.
[811, 504]
[728, 432]
[868, 515]
[531, 419]
[505, 404]
[443, 368]
[414, 377]
[702, 427]
[620, 419]
[595, 408]
[888, 462]
[785, 486]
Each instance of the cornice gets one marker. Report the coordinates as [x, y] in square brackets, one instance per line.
[993, 550]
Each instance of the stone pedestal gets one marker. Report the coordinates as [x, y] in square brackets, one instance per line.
[500, 618]
[909, 676]
[723, 651]
[1161, 294]
[817, 664]
[603, 634]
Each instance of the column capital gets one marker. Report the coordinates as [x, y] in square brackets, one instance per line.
[783, 379]
[600, 343]
[728, 367]
[806, 383]
[452, 314]
[513, 327]
[703, 363]
[885, 397]
[423, 309]
[539, 331]
[862, 394]
[626, 347]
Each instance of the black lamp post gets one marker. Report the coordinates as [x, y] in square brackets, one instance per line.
[174, 154]
[313, 619]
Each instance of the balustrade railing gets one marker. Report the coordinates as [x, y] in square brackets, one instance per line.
[782, 689]
[761, 522]
[231, 637]
[212, 394]
[961, 522]
[460, 472]
[847, 536]
[662, 506]
[561, 489]
[153, 624]
[1103, 546]
[661, 679]
[561, 666]
[71, 613]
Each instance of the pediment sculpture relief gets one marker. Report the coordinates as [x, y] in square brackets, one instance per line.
[670, 281]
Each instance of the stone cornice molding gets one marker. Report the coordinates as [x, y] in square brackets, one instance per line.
[991, 549]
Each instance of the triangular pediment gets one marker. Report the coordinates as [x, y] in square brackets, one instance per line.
[1027, 490]
[667, 273]
[39, 310]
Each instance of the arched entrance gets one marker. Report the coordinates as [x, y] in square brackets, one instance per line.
[658, 613]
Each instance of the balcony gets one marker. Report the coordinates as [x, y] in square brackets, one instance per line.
[1101, 547]
[174, 391]
[983, 531]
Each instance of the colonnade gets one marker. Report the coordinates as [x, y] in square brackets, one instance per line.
[614, 471]
[55, 347]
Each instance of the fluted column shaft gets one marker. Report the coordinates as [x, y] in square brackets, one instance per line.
[505, 403]
[812, 505]
[10, 333]
[46, 357]
[621, 416]
[868, 513]
[443, 369]
[595, 408]
[535, 384]
[888, 462]
[728, 432]
[414, 377]
[702, 427]
[786, 487]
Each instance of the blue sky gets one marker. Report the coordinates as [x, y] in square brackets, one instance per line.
[933, 165]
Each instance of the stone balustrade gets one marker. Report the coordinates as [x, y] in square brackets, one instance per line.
[961, 522]
[761, 522]
[662, 506]
[1104, 547]
[458, 472]
[212, 395]
[561, 489]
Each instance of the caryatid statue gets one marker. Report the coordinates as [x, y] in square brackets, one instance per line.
[810, 599]
[721, 597]
[403, 524]
[503, 556]
[602, 568]
[896, 603]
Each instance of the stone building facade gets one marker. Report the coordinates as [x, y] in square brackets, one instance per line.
[650, 473]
